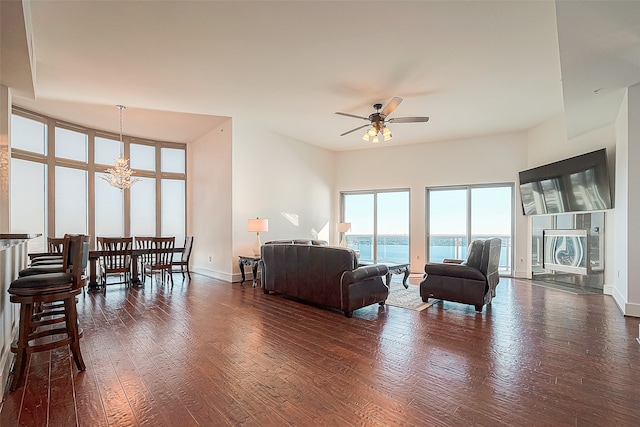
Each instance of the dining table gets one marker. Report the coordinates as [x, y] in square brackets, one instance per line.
[94, 256]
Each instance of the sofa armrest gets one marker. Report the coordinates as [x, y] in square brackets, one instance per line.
[452, 261]
[361, 274]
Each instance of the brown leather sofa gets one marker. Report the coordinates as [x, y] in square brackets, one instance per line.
[328, 276]
[472, 281]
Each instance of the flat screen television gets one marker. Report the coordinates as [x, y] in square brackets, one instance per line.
[576, 184]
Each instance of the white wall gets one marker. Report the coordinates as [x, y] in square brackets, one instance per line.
[209, 174]
[284, 180]
[481, 160]
[627, 229]
[633, 247]
[621, 213]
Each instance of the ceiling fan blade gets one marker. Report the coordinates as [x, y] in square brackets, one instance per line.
[408, 119]
[353, 115]
[353, 130]
[388, 109]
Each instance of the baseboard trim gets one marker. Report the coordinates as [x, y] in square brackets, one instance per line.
[632, 310]
[219, 275]
[627, 308]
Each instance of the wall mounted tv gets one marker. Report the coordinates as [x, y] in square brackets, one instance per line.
[576, 184]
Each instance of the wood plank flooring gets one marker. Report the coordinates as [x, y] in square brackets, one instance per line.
[211, 353]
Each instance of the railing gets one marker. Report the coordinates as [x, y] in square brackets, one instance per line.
[395, 247]
[455, 246]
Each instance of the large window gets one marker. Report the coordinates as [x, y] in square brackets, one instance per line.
[379, 224]
[28, 188]
[143, 203]
[71, 201]
[459, 215]
[109, 208]
[57, 185]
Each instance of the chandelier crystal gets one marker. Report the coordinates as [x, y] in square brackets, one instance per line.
[119, 175]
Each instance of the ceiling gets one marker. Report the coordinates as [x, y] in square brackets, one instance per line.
[475, 68]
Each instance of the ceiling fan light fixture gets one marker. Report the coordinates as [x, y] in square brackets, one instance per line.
[378, 119]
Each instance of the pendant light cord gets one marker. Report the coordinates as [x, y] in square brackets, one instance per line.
[121, 107]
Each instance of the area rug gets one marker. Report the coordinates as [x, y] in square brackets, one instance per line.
[407, 298]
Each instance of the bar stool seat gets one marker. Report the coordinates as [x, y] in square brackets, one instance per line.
[40, 269]
[48, 316]
[41, 282]
[47, 259]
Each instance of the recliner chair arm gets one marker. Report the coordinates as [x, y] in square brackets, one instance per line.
[453, 270]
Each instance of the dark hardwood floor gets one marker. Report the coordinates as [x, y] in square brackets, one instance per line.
[213, 354]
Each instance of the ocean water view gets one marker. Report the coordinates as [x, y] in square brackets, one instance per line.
[395, 248]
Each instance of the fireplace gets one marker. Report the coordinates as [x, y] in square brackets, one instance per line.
[566, 251]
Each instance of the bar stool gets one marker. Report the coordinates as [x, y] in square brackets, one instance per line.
[55, 253]
[46, 301]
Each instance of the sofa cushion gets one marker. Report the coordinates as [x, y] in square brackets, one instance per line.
[453, 270]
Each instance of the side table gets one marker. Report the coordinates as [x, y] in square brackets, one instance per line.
[251, 261]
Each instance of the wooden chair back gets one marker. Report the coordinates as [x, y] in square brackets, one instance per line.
[76, 251]
[162, 250]
[145, 243]
[55, 245]
[117, 258]
[186, 254]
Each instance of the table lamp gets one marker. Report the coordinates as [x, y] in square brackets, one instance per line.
[257, 225]
[343, 227]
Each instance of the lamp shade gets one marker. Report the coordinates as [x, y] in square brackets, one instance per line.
[257, 225]
[343, 227]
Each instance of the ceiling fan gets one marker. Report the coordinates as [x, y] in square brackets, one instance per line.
[377, 121]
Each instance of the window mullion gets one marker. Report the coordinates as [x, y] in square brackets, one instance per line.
[51, 178]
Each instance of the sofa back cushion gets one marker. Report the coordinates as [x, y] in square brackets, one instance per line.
[298, 242]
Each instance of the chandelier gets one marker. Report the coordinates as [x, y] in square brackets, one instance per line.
[119, 176]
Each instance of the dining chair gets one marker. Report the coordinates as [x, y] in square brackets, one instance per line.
[48, 314]
[159, 258]
[116, 258]
[183, 262]
[143, 243]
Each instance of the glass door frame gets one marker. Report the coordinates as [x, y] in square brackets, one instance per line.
[469, 188]
[374, 193]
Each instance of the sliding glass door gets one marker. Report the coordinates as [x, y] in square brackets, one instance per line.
[447, 226]
[458, 215]
[379, 224]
